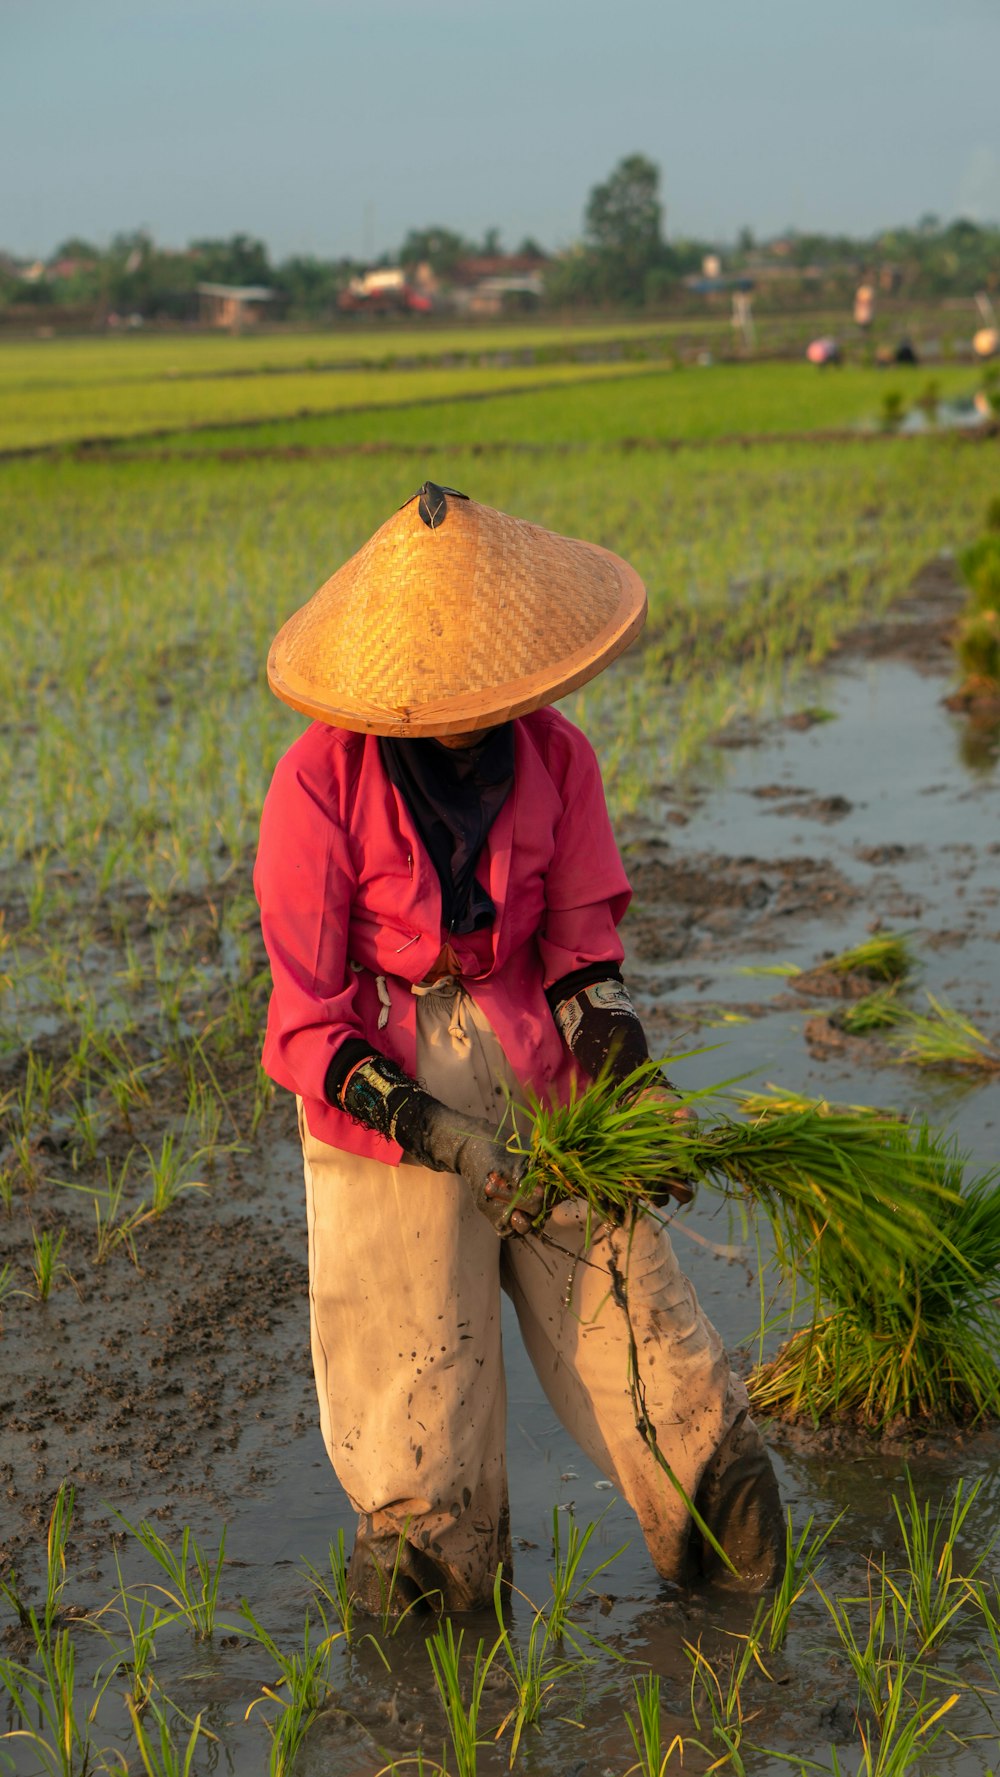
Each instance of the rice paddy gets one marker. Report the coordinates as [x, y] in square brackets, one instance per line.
[139, 1139]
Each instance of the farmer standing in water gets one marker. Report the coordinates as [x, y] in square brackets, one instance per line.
[440, 893]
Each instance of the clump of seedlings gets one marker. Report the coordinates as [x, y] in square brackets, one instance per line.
[869, 1184]
[896, 1256]
[943, 1038]
[917, 1345]
[882, 960]
[977, 637]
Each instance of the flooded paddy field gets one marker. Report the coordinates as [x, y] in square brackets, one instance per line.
[165, 1375]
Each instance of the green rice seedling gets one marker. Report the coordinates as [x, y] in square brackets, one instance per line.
[87, 1121]
[48, 1705]
[897, 1720]
[116, 1226]
[6, 1196]
[195, 1596]
[15, 1598]
[888, 956]
[24, 1170]
[198, 1106]
[7, 1275]
[936, 1593]
[647, 1730]
[785, 970]
[46, 1265]
[945, 1039]
[566, 1579]
[133, 1662]
[302, 1691]
[126, 1083]
[893, 410]
[159, 1751]
[166, 1173]
[336, 1589]
[444, 1650]
[877, 1011]
[415, 1761]
[723, 1695]
[263, 1098]
[532, 1667]
[803, 1557]
[977, 644]
[987, 1603]
[34, 1101]
[60, 1524]
[980, 567]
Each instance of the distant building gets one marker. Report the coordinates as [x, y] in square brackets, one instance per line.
[388, 291]
[498, 283]
[232, 305]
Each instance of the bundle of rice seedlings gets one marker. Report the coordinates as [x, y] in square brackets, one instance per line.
[888, 956]
[977, 644]
[877, 1011]
[980, 566]
[925, 1351]
[944, 1039]
[869, 1220]
[866, 1186]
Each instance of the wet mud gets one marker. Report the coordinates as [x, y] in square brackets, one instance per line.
[182, 1392]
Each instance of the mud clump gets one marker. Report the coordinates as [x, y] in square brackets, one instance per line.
[694, 907]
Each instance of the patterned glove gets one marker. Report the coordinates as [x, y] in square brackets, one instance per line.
[377, 1093]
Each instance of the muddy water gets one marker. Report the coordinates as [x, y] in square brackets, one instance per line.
[814, 833]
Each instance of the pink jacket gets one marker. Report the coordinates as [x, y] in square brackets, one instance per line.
[351, 910]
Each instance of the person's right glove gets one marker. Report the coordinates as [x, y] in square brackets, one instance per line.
[377, 1093]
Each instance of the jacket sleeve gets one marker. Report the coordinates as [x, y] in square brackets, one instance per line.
[305, 882]
[586, 889]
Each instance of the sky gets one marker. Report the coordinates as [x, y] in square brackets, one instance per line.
[334, 126]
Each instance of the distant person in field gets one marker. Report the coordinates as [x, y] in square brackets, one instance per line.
[440, 894]
[823, 351]
[864, 306]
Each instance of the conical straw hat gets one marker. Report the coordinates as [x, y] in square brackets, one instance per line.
[452, 618]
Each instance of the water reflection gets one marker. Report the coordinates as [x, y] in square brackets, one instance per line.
[979, 744]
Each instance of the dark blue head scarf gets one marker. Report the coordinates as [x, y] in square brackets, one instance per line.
[454, 795]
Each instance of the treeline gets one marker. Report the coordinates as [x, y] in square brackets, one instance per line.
[623, 258]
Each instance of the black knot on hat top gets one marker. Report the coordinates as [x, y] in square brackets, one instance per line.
[433, 504]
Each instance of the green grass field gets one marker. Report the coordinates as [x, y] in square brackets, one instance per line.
[299, 390]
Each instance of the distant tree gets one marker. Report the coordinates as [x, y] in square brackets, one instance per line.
[492, 244]
[239, 260]
[745, 241]
[310, 286]
[76, 248]
[529, 249]
[572, 279]
[623, 223]
[437, 247]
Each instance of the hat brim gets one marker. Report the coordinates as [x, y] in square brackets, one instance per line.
[471, 712]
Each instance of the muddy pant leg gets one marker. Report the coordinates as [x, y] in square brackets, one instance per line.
[739, 1501]
[405, 1297]
[633, 1345]
[405, 1321]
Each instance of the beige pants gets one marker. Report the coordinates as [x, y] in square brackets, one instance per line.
[405, 1277]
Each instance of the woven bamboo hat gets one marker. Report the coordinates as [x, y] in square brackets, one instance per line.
[452, 618]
